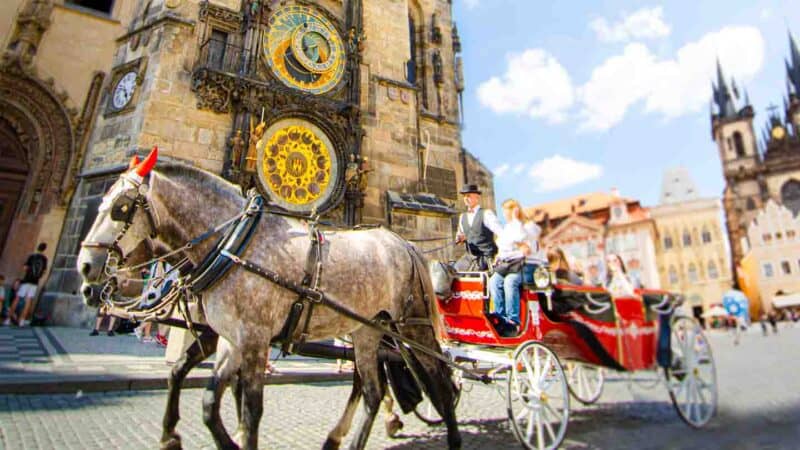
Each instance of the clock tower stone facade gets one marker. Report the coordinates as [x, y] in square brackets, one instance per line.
[349, 109]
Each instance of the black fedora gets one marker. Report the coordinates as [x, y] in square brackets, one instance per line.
[470, 189]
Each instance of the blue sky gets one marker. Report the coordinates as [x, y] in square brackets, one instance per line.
[568, 97]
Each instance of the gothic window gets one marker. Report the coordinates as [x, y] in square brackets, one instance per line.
[687, 238]
[693, 278]
[673, 276]
[668, 242]
[790, 196]
[712, 270]
[786, 268]
[706, 235]
[411, 65]
[767, 269]
[739, 144]
[216, 49]
[750, 204]
[103, 6]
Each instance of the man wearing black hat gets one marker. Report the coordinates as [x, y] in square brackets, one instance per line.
[476, 226]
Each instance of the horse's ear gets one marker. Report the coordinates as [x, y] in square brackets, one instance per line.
[134, 162]
[147, 165]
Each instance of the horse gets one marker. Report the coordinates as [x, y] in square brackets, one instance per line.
[373, 272]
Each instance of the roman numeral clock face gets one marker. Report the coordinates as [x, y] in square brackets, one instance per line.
[123, 91]
[304, 50]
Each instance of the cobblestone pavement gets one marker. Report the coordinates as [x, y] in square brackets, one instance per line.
[759, 408]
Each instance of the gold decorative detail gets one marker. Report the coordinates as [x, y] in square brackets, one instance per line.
[297, 165]
[172, 3]
[778, 132]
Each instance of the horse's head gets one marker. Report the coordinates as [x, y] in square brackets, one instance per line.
[442, 277]
[122, 231]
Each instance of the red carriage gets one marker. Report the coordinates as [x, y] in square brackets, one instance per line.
[568, 336]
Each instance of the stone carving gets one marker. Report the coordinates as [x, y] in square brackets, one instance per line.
[436, 31]
[436, 61]
[237, 145]
[33, 20]
[256, 133]
[211, 12]
[456, 39]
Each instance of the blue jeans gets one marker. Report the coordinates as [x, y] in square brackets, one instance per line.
[505, 295]
[527, 273]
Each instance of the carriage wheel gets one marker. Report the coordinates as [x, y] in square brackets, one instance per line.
[692, 376]
[426, 412]
[585, 381]
[538, 397]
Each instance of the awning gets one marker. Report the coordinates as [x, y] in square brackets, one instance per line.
[785, 301]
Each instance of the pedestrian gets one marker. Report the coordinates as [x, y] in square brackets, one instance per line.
[33, 269]
[763, 321]
[773, 320]
[101, 314]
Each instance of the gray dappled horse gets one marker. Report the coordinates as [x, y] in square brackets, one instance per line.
[374, 272]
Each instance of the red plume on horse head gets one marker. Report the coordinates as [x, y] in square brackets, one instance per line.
[147, 165]
[134, 162]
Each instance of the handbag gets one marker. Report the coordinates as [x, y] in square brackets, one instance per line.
[504, 267]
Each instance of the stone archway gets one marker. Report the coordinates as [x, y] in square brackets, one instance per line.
[37, 128]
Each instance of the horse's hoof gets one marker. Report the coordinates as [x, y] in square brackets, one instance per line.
[393, 425]
[330, 444]
[173, 442]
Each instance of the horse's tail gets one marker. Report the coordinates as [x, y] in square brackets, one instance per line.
[426, 286]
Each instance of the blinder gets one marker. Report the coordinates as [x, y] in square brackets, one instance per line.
[123, 209]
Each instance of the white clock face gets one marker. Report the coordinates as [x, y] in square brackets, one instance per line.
[124, 90]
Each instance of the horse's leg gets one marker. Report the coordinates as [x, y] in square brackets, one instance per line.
[237, 386]
[228, 362]
[196, 353]
[366, 344]
[340, 431]
[251, 377]
[392, 422]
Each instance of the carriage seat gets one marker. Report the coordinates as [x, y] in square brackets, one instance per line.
[595, 303]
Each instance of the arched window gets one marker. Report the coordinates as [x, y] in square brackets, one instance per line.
[790, 196]
[693, 278]
[673, 276]
[750, 204]
[687, 238]
[706, 235]
[667, 242]
[712, 270]
[738, 143]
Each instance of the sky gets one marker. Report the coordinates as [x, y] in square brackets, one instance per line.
[569, 97]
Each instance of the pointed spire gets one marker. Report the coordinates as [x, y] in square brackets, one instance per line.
[793, 67]
[746, 98]
[722, 96]
[794, 51]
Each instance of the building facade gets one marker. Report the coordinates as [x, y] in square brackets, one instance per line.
[771, 264]
[756, 167]
[349, 109]
[588, 227]
[691, 252]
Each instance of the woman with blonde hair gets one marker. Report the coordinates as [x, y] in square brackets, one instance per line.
[559, 265]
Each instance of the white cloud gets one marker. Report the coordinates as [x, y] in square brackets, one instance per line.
[535, 83]
[558, 172]
[766, 13]
[518, 168]
[501, 169]
[642, 24]
[671, 87]
[471, 4]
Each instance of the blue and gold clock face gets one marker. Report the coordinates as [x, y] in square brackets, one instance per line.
[304, 50]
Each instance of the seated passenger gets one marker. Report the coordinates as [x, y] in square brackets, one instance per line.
[560, 267]
[617, 281]
[514, 245]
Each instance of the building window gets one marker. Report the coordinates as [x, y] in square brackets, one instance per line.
[790, 234]
[673, 276]
[706, 236]
[693, 278]
[712, 270]
[767, 269]
[687, 238]
[750, 204]
[668, 242]
[738, 142]
[766, 237]
[216, 49]
[786, 268]
[103, 6]
[790, 196]
[411, 65]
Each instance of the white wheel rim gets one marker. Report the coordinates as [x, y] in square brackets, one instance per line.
[538, 398]
[585, 381]
[692, 379]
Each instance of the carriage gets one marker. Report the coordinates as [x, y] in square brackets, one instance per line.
[569, 336]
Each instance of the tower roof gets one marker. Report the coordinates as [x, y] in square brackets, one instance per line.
[793, 67]
[722, 96]
[677, 186]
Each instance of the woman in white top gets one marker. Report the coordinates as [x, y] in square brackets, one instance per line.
[515, 244]
[617, 282]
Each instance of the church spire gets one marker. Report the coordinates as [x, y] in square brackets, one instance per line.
[722, 96]
[793, 67]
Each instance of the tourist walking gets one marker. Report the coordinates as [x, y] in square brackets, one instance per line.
[34, 268]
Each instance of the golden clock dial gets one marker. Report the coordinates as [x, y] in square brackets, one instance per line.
[778, 132]
[304, 50]
[297, 165]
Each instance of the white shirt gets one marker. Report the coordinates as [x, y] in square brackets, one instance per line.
[537, 253]
[489, 220]
[515, 232]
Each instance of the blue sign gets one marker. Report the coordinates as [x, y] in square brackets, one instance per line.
[736, 304]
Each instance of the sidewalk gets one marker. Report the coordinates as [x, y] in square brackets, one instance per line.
[37, 360]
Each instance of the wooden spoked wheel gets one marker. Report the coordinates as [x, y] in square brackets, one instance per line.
[692, 376]
[538, 397]
[585, 381]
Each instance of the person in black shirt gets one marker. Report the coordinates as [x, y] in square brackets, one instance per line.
[35, 266]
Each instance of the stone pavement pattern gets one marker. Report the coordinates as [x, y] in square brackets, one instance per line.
[759, 408]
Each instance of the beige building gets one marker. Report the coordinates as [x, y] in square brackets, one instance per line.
[590, 226]
[692, 256]
[223, 84]
[771, 265]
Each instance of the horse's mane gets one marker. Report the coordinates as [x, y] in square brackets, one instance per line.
[174, 169]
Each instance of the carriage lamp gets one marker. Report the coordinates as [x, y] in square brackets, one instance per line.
[541, 277]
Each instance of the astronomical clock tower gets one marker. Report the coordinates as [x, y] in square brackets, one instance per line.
[348, 109]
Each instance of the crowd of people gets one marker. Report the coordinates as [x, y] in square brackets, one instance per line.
[512, 250]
